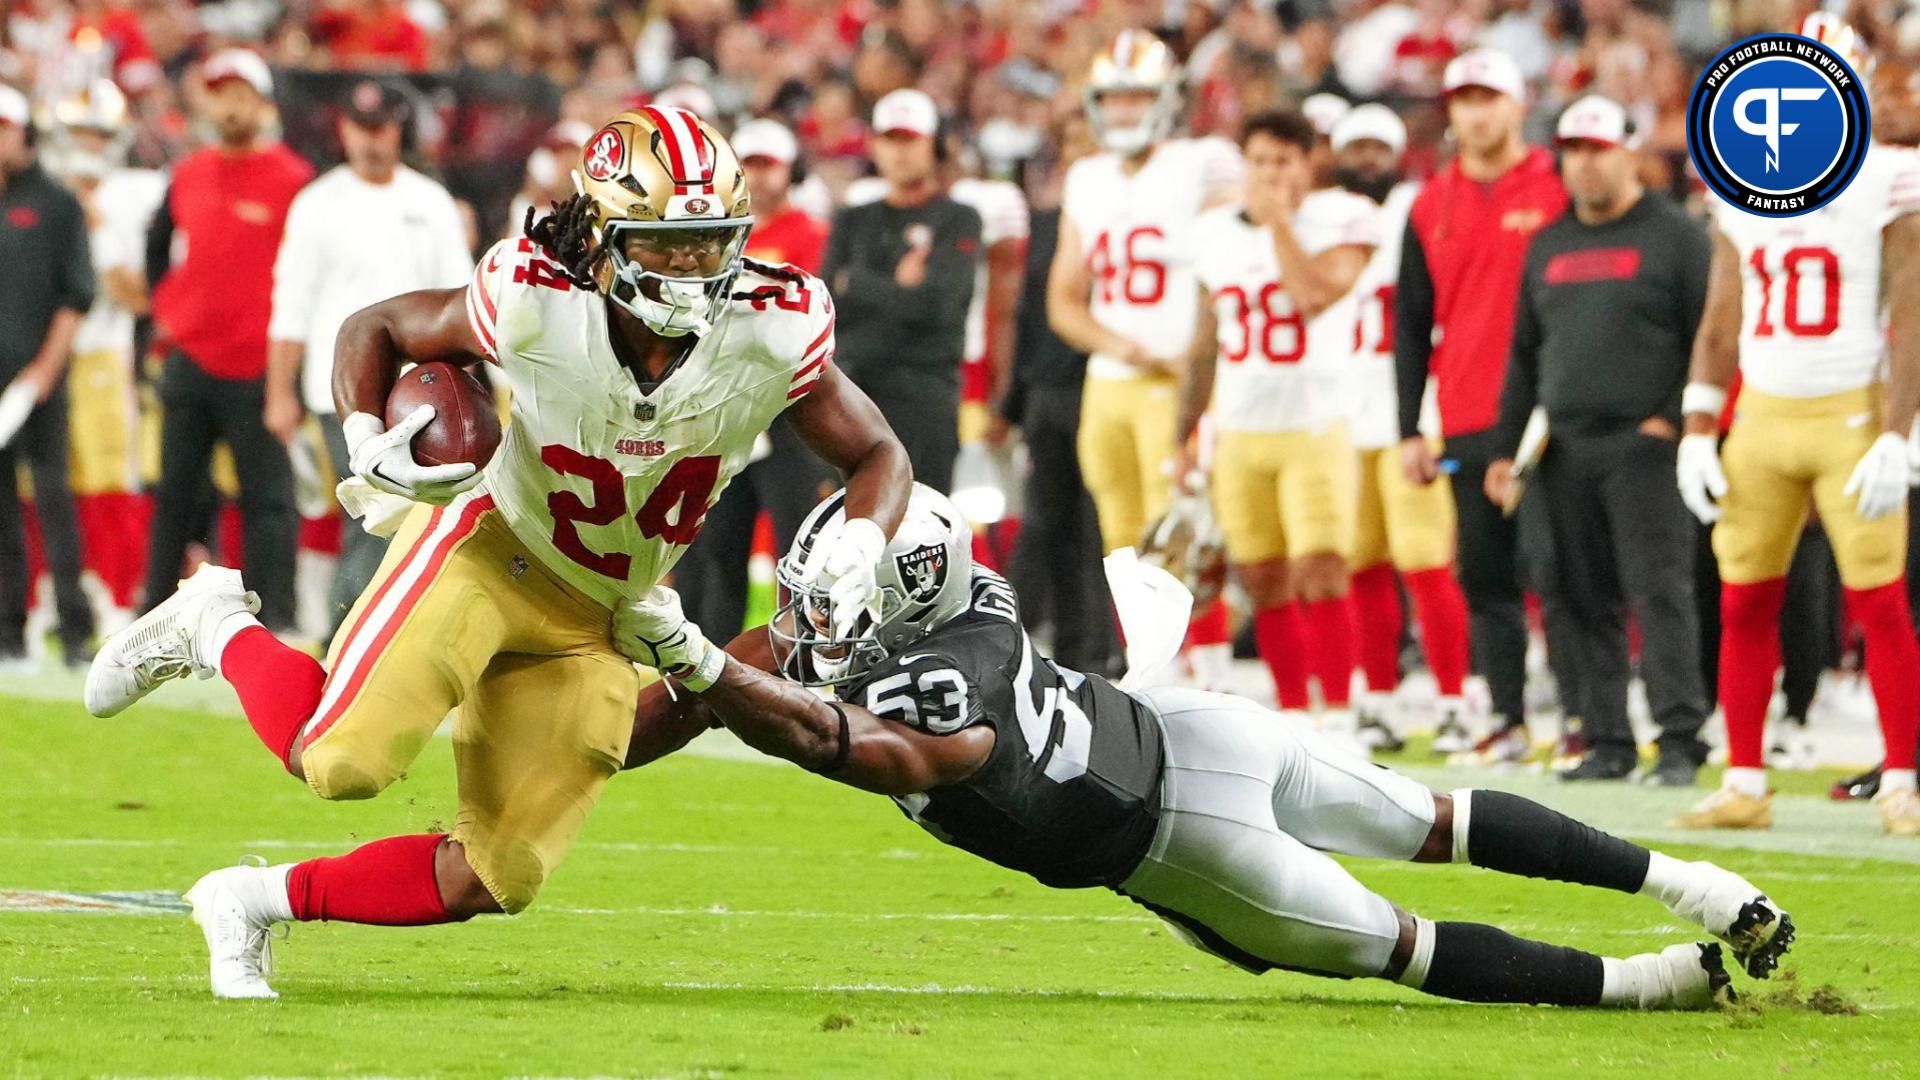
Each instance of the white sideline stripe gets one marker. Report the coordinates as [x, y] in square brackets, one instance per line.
[354, 656]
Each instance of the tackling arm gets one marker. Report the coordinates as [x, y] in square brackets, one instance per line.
[1716, 347]
[841, 424]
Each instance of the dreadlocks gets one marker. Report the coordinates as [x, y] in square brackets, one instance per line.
[566, 233]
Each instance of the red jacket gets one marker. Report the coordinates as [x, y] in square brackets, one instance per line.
[225, 214]
[1460, 269]
[790, 236]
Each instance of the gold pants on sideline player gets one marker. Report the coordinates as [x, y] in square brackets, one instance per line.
[1126, 439]
[1284, 494]
[1397, 521]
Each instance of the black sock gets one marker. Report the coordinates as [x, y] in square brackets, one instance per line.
[1475, 962]
[1519, 836]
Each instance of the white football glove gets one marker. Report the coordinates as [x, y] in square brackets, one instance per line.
[1882, 477]
[1701, 479]
[381, 456]
[654, 631]
[847, 562]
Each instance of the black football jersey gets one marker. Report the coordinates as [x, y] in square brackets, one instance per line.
[1071, 792]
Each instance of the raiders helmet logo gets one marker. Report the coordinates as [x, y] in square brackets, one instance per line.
[924, 570]
[605, 155]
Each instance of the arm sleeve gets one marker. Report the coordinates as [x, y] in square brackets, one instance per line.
[483, 295]
[817, 353]
[1412, 330]
[296, 271]
[160, 240]
[1522, 389]
[76, 285]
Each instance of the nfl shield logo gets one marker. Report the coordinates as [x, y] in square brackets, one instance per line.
[924, 570]
[643, 412]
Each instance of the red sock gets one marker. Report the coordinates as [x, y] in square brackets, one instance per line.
[1211, 625]
[1749, 655]
[1441, 608]
[1329, 631]
[279, 686]
[1277, 633]
[1377, 621]
[1893, 665]
[386, 883]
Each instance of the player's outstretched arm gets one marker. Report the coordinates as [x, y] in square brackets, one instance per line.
[841, 424]
[431, 324]
[838, 740]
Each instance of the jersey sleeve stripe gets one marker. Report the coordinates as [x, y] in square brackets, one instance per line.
[482, 332]
[812, 367]
[826, 333]
[803, 389]
[391, 604]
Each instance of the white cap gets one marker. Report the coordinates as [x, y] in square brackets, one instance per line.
[765, 139]
[1324, 111]
[239, 64]
[1490, 68]
[1375, 122]
[906, 110]
[1593, 119]
[13, 106]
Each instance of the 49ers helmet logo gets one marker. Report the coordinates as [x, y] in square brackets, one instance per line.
[606, 153]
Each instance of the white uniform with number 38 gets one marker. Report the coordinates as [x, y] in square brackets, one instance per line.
[1812, 354]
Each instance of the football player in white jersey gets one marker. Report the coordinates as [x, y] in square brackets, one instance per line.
[644, 358]
[87, 141]
[1119, 288]
[1399, 528]
[1821, 315]
[1275, 282]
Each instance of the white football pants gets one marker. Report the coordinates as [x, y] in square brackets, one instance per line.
[1247, 807]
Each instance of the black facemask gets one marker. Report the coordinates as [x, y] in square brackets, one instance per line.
[1373, 185]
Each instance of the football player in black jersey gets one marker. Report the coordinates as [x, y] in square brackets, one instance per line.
[1203, 808]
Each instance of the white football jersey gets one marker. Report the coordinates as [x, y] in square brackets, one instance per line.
[1003, 216]
[1811, 318]
[605, 484]
[1277, 371]
[1131, 228]
[125, 202]
[1373, 418]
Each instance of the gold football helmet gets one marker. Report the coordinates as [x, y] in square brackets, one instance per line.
[1831, 30]
[670, 216]
[1186, 542]
[1136, 61]
[86, 131]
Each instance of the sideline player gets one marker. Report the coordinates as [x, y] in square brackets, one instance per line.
[1797, 305]
[644, 358]
[1200, 807]
[1275, 281]
[1399, 526]
[1118, 289]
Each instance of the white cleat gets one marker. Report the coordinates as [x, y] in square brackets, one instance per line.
[1758, 930]
[1686, 976]
[236, 914]
[165, 643]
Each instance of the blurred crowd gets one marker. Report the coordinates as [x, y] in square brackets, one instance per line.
[494, 99]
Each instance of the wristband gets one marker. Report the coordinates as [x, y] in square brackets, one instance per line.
[845, 751]
[707, 671]
[1701, 397]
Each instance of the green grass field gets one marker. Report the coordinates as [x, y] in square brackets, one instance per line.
[725, 918]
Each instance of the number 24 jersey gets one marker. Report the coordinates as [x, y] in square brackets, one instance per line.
[1070, 793]
[605, 483]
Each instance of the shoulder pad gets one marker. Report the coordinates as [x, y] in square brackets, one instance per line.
[800, 329]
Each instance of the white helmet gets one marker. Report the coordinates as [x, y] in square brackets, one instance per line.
[1135, 61]
[924, 580]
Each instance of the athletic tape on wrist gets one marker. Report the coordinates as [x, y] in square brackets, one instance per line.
[1703, 398]
[707, 671]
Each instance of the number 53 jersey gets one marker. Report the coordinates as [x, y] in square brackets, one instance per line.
[607, 483]
[1070, 793]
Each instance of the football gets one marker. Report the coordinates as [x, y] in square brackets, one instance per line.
[465, 425]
